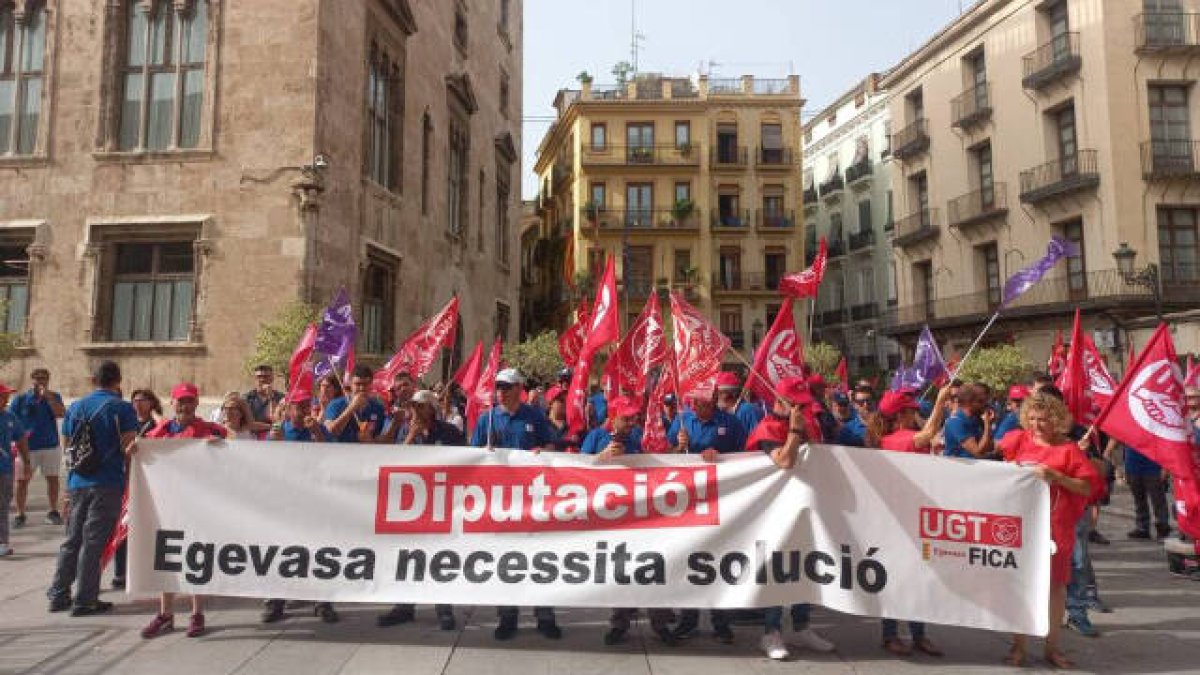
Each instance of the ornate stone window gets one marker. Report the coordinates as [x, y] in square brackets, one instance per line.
[379, 302]
[23, 63]
[385, 117]
[461, 104]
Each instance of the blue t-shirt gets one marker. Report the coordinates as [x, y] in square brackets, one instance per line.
[853, 432]
[11, 431]
[1137, 464]
[749, 414]
[37, 417]
[599, 438]
[600, 406]
[525, 429]
[959, 428]
[294, 433]
[372, 413]
[1010, 422]
[723, 432]
[116, 418]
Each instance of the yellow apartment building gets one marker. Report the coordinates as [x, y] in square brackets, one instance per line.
[691, 183]
[1027, 118]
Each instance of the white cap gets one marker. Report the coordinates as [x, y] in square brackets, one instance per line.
[425, 396]
[510, 376]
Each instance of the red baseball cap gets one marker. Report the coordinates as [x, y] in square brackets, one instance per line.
[728, 380]
[894, 402]
[1018, 392]
[184, 390]
[795, 390]
[815, 380]
[624, 406]
[5, 389]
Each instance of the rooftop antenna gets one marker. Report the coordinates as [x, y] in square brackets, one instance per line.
[635, 38]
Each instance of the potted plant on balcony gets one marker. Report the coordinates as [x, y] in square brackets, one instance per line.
[682, 210]
[641, 154]
[584, 77]
[684, 149]
[591, 211]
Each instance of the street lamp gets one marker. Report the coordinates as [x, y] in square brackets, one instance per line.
[1146, 277]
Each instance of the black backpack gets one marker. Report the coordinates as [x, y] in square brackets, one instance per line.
[82, 456]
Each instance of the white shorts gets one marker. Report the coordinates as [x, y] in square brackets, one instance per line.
[48, 461]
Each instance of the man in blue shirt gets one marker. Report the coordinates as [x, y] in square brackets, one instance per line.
[853, 431]
[519, 426]
[968, 432]
[729, 399]
[39, 410]
[624, 438]
[598, 406]
[95, 497]
[357, 417]
[12, 434]
[298, 425]
[1149, 489]
[1012, 419]
[706, 431]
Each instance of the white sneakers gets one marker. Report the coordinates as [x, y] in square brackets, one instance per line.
[5, 550]
[773, 647]
[809, 639]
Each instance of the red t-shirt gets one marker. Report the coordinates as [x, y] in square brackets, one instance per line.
[901, 440]
[197, 429]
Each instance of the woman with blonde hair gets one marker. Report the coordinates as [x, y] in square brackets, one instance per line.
[237, 419]
[1043, 445]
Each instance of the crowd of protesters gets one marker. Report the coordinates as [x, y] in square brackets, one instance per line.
[1031, 426]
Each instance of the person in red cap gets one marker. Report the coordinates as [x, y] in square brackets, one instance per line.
[730, 398]
[825, 418]
[185, 424]
[791, 423]
[1012, 419]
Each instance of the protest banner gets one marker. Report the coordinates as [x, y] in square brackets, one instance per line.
[860, 531]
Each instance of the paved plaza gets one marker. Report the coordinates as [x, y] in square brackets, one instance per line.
[1155, 628]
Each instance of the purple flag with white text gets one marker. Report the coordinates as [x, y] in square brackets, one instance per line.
[927, 360]
[1023, 280]
[335, 335]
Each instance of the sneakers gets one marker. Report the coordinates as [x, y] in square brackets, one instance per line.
[60, 604]
[1163, 531]
[1138, 534]
[5, 550]
[395, 616]
[53, 518]
[685, 630]
[723, 634]
[161, 624]
[1082, 625]
[506, 629]
[447, 622]
[326, 611]
[809, 639]
[19, 521]
[196, 626]
[273, 611]
[663, 631]
[549, 628]
[1097, 538]
[772, 645]
[98, 607]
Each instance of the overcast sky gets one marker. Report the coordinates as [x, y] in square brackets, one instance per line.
[831, 44]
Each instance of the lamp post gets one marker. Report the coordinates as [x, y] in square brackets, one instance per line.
[1146, 277]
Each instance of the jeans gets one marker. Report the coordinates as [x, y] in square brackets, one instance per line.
[891, 629]
[508, 613]
[1081, 570]
[691, 617]
[1149, 491]
[773, 618]
[94, 513]
[6, 495]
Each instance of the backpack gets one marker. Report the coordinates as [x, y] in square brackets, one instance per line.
[82, 455]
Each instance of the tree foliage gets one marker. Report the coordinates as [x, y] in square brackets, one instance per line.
[536, 357]
[823, 358]
[277, 337]
[997, 367]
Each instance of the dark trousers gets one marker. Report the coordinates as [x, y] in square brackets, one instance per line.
[622, 617]
[94, 512]
[719, 618]
[120, 560]
[1149, 491]
[442, 610]
[507, 613]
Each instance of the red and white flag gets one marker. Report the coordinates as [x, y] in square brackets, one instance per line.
[805, 284]
[780, 355]
[1148, 413]
[467, 375]
[604, 328]
[641, 351]
[1191, 376]
[1100, 382]
[1058, 357]
[417, 353]
[570, 343]
[699, 348]
[300, 367]
[654, 431]
[479, 397]
[842, 373]
[1072, 381]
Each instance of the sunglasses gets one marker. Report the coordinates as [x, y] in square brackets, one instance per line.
[503, 386]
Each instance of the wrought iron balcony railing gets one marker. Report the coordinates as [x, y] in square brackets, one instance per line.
[1054, 60]
[1170, 159]
[1060, 176]
[978, 206]
[911, 141]
[972, 106]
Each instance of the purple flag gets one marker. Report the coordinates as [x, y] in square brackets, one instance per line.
[906, 379]
[927, 361]
[1023, 280]
[335, 335]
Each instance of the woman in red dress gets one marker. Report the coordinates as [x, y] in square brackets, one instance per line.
[1043, 445]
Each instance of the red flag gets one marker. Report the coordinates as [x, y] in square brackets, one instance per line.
[780, 355]
[479, 396]
[640, 352]
[418, 352]
[1058, 357]
[468, 374]
[1100, 382]
[121, 530]
[1148, 413]
[654, 432]
[1191, 377]
[570, 343]
[699, 347]
[1073, 379]
[300, 374]
[604, 327]
[842, 375]
[804, 284]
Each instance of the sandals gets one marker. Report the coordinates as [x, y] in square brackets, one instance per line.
[897, 647]
[1015, 658]
[925, 646]
[1058, 660]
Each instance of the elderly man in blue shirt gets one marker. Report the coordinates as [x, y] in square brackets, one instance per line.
[518, 426]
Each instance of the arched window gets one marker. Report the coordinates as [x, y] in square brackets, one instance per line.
[385, 109]
[22, 60]
[163, 78]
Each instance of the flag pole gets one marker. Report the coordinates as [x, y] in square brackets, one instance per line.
[974, 344]
[751, 371]
[812, 310]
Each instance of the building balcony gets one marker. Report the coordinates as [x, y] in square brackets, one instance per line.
[728, 158]
[835, 246]
[811, 196]
[747, 282]
[858, 175]
[1167, 33]
[641, 155]
[641, 220]
[833, 188]
[1163, 160]
[1060, 176]
[636, 286]
[775, 222]
[730, 221]
[864, 312]
[833, 317]
[862, 240]
[919, 227]
[978, 206]
[972, 107]
[911, 141]
[737, 338]
[775, 158]
[1051, 62]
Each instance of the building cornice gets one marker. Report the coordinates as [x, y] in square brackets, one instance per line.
[955, 30]
[852, 128]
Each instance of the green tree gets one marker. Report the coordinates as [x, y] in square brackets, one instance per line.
[823, 358]
[536, 357]
[997, 367]
[621, 71]
[278, 336]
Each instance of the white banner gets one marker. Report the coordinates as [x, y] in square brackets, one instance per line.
[861, 531]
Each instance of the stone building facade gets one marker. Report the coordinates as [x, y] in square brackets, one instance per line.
[179, 170]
